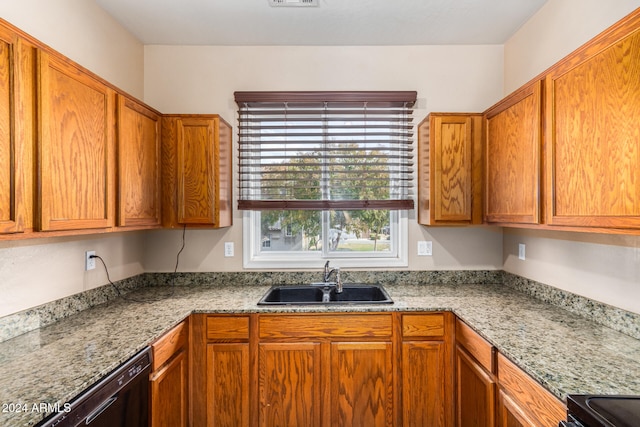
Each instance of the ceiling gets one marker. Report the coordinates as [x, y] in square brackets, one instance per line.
[331, 23]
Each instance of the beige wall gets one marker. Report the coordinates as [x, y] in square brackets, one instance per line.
[33, 272]
[82, 31]
[192, 79]
[602, 267]
[559, 27]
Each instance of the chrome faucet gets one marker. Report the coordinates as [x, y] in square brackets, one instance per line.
[327, 274]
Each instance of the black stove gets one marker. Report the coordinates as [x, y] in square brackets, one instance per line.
[602, 411]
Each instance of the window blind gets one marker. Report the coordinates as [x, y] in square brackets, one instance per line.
[325, 150]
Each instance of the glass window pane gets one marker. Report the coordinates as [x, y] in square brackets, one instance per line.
[290, 231]
[360, 231]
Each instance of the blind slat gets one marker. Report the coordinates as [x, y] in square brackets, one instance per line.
[328, 146]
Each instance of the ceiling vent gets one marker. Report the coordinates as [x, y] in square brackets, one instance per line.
[293, 3]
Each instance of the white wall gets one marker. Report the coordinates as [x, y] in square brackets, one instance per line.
[202, 79]
[33, 272]
[556, 30]
[602, 267]
[82, 31]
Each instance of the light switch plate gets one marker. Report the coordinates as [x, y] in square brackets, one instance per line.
[521, 251]
[425, 248]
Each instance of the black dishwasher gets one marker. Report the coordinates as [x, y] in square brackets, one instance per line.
[121, 399]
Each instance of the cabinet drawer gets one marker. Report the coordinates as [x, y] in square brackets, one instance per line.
[331, 326]
[423, 325]
[228, 327]
[534, 400]
[169, 344]
[475, 345]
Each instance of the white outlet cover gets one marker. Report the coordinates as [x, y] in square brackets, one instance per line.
[228, 249]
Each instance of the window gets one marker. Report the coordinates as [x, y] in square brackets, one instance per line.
[325, 175]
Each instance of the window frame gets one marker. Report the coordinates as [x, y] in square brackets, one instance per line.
[254, 258]
[386, 101]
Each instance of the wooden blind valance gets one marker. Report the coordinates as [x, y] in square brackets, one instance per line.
[325, 150]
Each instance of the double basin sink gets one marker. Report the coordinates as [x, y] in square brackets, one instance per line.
[326, 293]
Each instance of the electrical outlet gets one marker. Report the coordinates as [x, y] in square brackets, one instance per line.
[521, 251]
[228, 249]
[425, 248]
[89, 263]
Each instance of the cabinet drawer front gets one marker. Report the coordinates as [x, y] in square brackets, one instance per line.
[538, 403]
[423, 325]
[333, 326]
[228, 327]
[169, 344]
[475, 345]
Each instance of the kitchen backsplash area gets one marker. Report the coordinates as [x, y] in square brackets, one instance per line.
[46, 314]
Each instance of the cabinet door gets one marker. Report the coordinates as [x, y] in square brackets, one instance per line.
[475, 393]
[450, 169]
[228, 384]
[17, 92]
[138, 164]
[424, 391]
[76, 148]
[361, 384]
[196, 171]
[510, 414]
[169, 393]
[512, 158]
[289, 384]
[592, 106]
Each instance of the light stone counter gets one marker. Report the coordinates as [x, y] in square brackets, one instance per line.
[564, 352]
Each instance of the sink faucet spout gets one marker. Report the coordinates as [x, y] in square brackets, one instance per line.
[327, 274]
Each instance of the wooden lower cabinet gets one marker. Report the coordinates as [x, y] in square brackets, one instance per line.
[289, 384]
[524, 402]
[228, 384]
[475, 380]
[170, 379]
[356, 369]
[361, 384]
[510, 414]
[427, 381]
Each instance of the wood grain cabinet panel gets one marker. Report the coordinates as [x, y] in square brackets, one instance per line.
[17, 113]
[227, 397]
[138, 164]
[426, 364]
[510, 414]
[523, 400]
[169, 393]
[474, 379]
[170, 378]
[592, 106]
[76, 155]
[512, 157]
[289, 384]
[362, 384]
[424, 384]
[475, 392]
[450, 169]
[196, 163]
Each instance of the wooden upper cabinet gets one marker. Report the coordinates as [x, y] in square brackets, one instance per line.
[450, 169]
[512, 157]
[76, 156]
[17, 111]
[138, 164]
[197, 171]
[592, 106]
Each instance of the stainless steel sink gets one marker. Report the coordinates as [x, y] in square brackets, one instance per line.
[352, 293]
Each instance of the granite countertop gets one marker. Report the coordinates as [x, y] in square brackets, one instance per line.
[566, 353]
